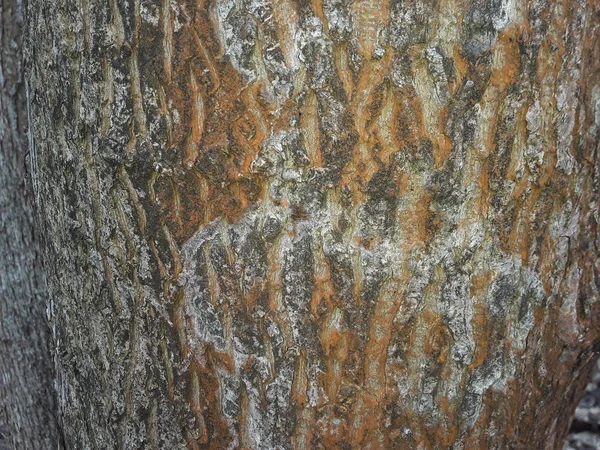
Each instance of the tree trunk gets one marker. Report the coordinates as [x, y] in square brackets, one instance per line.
[329, 224]
[27, 396]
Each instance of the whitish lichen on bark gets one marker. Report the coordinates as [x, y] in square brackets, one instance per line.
[324, 224]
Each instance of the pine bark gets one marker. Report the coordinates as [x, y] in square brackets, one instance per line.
[316, 224]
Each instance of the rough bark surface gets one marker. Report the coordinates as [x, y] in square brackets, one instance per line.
[27, 398]
[318, 224]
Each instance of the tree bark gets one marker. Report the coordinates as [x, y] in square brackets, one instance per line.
[28, 408]
[328, 224]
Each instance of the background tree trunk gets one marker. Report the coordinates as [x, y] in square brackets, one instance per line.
[27, 397]
[326, 224]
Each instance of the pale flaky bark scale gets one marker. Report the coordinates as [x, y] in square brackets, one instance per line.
[318, 224]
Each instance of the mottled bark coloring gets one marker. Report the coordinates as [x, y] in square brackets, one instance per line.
[327, 224]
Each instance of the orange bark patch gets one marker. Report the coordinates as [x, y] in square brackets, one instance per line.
[484, 189]
[481, 333]
[203, 389]
[309, 124]
[480, 282]
[317, 6]
[217, 126]
[335, 345]
[369, 17]
[303, 430]
[370, 78]
[286, 20]
[443, 149]
[416, 222]
[340, 54]
[410, 125]
[506, 65]
[367, 411]
[437, 342]
[478, 436]
[508, 57]
[479, 285]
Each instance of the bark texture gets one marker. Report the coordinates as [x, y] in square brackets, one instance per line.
[318, 224]
[27, 398]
